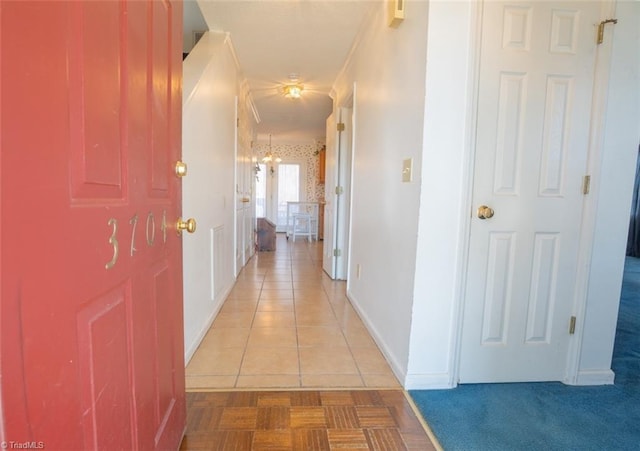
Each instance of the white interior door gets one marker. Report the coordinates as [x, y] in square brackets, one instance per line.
[534, 104]
[262, 210]
[343, 198]
[338, 194]
[332, 141]
[249, 203]
[239, 206]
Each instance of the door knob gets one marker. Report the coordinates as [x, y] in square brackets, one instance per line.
[181, 169]
[485, 212]
[189, 225]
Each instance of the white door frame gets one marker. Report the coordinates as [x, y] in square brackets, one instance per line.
[332, 141]
[344, 201]
[587, 231]
[590, 206]
[238, 238]
[342, 205]
[302, 188]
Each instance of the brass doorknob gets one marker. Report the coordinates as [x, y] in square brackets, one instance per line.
[181, 169]
[485, 212]
[189, 225]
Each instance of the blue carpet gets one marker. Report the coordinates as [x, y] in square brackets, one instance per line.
[549, 416]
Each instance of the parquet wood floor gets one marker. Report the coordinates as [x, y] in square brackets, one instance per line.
[303, 420]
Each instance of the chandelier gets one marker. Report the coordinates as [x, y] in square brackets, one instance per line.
[269, 157]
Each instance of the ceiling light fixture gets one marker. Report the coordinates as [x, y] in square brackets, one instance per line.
[293, 91]
[269, 157]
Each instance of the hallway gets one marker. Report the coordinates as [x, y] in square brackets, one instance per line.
[285, 324]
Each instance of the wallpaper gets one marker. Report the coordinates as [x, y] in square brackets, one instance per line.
[306, 151]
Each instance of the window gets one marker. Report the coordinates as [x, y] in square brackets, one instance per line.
[289, 190]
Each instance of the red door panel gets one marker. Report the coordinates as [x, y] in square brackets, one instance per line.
[164, 339]
[91, 350]
[96, 98]
[104, 345]
[160, 105]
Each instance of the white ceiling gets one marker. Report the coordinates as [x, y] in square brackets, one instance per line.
[274, 39]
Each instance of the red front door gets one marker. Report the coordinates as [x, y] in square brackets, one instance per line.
[91, 308]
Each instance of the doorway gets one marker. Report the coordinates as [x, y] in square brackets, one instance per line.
[290, 182]
[277, 184]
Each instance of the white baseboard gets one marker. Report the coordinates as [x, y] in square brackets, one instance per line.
[393, 363]
[595, 377]
[428, 382]
[193, 347]
[408, 381]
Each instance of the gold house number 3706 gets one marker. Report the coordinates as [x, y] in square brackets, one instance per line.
[150, 230]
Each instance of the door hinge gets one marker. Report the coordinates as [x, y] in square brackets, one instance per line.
[339, 190]
[340, 126]
[601, 25]
[586, 184]
[572, 325]
[337, 252]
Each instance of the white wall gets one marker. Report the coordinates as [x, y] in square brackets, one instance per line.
[208, 145]
[388, 66]
[442, 226]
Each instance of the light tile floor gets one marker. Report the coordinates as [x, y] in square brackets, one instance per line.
[285, 324]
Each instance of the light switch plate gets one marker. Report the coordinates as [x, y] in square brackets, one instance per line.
[395, 12]
[407, 170]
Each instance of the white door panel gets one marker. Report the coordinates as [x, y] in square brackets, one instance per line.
[534, 104]
[338, 195]
[240, 223]
[249, 231]
[328, 260]
[343, 200]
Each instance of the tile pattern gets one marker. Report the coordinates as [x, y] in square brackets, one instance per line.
[285, 324]
[303, 420]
